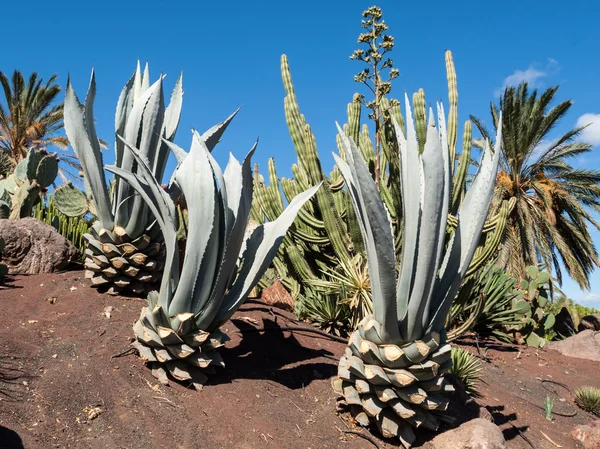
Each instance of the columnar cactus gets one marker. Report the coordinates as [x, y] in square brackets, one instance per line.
[326, 235]
[391, 372]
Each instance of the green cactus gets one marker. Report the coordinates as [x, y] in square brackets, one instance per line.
[71, 228]
[326, 232]
[23, 189]
[71, 201]
[532, 298]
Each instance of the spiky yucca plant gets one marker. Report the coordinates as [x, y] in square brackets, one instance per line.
[391, 372]
[125, 246]
[467, 368]
[178, 332]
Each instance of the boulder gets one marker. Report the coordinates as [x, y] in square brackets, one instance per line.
[588, 435]
[475, 434]
[564, 324]
[591, 322]
[33, 247]
[584, 345]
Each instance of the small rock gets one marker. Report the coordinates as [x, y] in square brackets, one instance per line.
[475, 434]
[107, 311]
[591, 322]
[277, 296]
[588, 435]
[584, 345]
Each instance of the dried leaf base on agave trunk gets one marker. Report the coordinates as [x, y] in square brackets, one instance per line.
[176, 348]
[396, 388]
[121, 264]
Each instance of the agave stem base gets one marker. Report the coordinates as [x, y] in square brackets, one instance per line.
[397, 388]
[123, 265]
[185, 354]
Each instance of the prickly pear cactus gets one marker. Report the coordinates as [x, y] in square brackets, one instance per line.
[530, 301]
[23, 189]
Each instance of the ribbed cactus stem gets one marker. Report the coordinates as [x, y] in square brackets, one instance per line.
[420, 117]
[396, 112]
[286, 76]
[460, 178]
[485, 253]
[453, 113]
[354, 109]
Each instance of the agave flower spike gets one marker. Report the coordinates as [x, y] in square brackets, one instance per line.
[178, 332]
[391, 372]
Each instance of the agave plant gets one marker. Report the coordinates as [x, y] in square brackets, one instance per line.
[391, 372]
[125, 250]
[178, 332]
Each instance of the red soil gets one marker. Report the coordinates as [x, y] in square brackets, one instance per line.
[274, 392]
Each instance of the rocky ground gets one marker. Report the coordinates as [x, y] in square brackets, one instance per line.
[67, 380]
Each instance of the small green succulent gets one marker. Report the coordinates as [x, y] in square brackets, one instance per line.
[467, 368]
[588, 398]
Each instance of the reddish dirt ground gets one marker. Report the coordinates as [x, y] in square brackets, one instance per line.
[62, 387]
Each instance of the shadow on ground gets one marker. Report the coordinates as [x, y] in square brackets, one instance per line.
[273, 355]
[9, 439]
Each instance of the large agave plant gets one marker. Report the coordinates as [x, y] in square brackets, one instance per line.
[178, 332]
[125, 246]
[390, 374]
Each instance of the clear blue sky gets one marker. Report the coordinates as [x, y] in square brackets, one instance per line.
[229, 52]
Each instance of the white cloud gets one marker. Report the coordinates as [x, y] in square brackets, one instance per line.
[591, 134]
[532, 75]
[591, 300]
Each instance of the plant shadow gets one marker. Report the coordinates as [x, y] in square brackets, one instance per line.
[500, 418]
[271, 355]
[9, 439]
[11, 379]
[7, 284]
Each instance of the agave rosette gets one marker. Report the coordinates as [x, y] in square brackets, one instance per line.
[125, 247]
[178, 332]
[390, 374]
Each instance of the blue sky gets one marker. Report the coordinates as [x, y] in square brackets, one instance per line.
[229, 53]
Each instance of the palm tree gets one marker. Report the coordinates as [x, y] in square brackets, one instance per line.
[30, 118]
[549, 224]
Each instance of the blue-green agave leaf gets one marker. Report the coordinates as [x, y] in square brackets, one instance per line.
[377, 235]
[196, 179]
[261, 248]
[76, 122]
[239, 186]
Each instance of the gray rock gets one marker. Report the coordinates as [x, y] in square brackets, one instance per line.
[584, 345]
[33, 247]
[475, 434]
[591, 322]
[588, 435]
